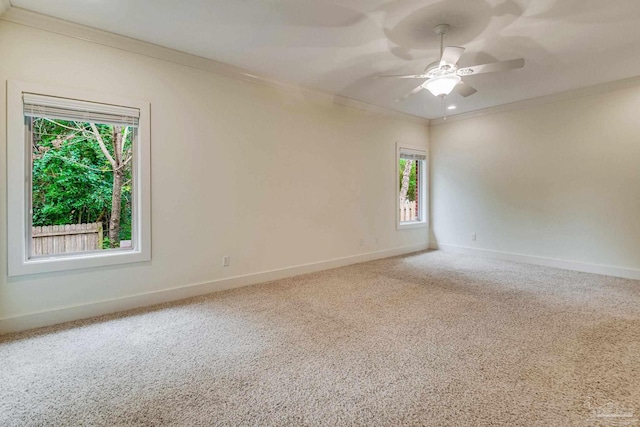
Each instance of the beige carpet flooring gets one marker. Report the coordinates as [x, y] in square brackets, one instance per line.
[429, 339]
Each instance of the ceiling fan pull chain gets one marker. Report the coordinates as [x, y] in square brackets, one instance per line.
[444, 109]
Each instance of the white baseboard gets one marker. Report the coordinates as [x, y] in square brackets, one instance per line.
[66, 314]
[607, 270]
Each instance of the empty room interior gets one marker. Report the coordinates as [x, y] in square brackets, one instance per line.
[319, 213]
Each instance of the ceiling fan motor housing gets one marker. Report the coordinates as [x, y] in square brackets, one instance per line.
[441, 29]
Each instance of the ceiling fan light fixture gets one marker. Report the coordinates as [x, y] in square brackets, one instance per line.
[442, 85]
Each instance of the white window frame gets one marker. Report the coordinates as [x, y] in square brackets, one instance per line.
[423, 194]
[19, 191]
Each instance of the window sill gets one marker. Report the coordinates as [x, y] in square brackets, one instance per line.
[49, 264]
[412, 224]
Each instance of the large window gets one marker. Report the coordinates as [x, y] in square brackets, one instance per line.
[83, 169]
[412, 193]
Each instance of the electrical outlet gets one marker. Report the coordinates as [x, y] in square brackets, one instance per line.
[473, 237]
[226, 260]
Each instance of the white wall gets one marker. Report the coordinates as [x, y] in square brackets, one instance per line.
[560, 180]
[264, 175]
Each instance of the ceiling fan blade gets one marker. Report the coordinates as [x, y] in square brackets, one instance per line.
[451, 55]
[464, 89]
[406, 76]
[494, 66]
[413, 92]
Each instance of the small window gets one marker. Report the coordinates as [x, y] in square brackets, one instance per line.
[85, 168]
[412, 194]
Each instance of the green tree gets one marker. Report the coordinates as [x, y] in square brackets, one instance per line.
[407, 180]
[73, 178]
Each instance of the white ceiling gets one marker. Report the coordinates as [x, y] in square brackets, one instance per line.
[339, 46]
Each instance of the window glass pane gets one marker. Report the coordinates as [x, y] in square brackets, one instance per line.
[81, 186]
[409, 191]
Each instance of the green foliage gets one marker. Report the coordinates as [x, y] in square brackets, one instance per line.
[72, 179]
[411, 193]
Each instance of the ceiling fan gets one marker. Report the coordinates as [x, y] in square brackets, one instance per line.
[444, 75]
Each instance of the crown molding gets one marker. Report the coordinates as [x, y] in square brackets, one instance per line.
[547, 99]
[81, 32]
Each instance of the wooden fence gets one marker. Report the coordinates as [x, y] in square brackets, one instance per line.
[60, 239]
[408, 211]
